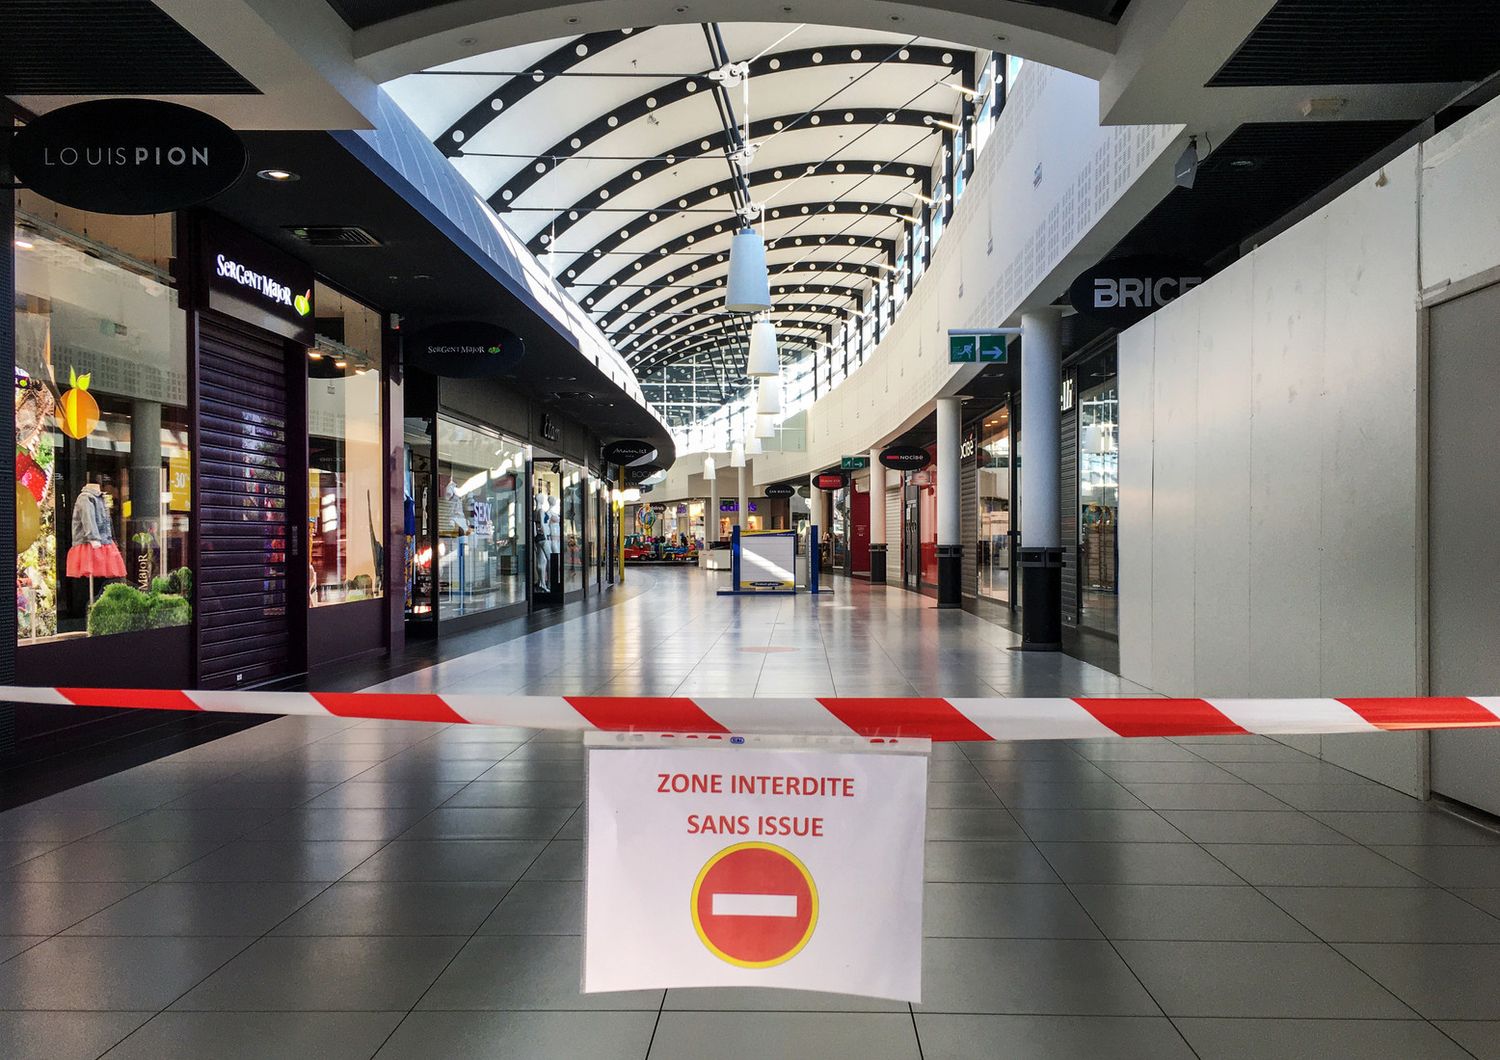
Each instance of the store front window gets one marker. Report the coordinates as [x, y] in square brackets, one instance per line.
[102, 465]
[547, 532]
[572, 527]
[345, 483]
[994, 470]
[480, 548]
[1099, 506]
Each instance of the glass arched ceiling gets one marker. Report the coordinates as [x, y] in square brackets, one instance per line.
[608, 154]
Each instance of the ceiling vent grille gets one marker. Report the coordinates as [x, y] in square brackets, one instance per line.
[334, 236]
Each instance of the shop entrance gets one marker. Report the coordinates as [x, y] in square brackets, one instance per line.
[251, 508]
[546, 534]
[911, 539]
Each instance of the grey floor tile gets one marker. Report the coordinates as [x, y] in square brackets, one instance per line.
[245, 861]
[97, 974]
[250, 794]
[1321, 1039]
[1363, 796]
[1441, 982]
[31, 907]
[487, 1035]
[184, 826]
[1391, 828]
[1134, 750]
[338, 823]
[1176, 911]
[1251, 826]
[324, 975]
[1449, 866]
[1062, 977]
[1275, 980]
[546, 772]
[1309, 865]
[30, 825]
[952, 1037]
[191, 909]
[531, 822]
[980, 861]
[1042, 771]
[1068, 796]
[1003, 910]
[761, 999]
[426, 773]
[1479, 1037]
[991, 823]
[258, 1035]
[1386, 914]
[538, 907]
[1136, 863]
[519, 793]
[1486, 898]
[15, 853]
[1204, 797]
[10, 945]
[457, 860]
[943, 795]
[496, 972]
[561, 860]
[755, 1035]
[1195, 772]
[1305, 771]
[64, 1035]
[1266, 751]
[377, 794]
[111, 861]
[396, 908]
[1096, 826]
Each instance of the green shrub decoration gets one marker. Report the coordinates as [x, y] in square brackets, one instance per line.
[123, 608]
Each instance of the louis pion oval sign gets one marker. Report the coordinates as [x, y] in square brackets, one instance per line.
[127, 156]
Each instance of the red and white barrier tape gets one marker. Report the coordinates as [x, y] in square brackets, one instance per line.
[904, 716]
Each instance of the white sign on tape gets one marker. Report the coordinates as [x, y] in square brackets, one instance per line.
[746, 867]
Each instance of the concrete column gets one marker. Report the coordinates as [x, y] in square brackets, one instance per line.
[1040, 553]
[711, 513]
[950, 547]
[877, 519]
[742, 517]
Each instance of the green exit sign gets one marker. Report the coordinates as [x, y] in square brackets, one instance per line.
[853, 463]
[976, 349]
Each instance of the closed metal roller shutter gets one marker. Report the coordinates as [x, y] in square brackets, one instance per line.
[1067, 496]
[243, 511]
[968, 525]
[892, 530]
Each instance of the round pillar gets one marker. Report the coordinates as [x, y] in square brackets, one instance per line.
[877, 519]
[1040, 554]
[949, 544]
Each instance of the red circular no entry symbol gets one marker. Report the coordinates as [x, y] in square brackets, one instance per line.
[754, 905]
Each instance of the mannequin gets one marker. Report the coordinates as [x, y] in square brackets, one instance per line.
[544, 516]
[94, 552]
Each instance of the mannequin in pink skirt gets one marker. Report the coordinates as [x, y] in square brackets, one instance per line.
[94, 553]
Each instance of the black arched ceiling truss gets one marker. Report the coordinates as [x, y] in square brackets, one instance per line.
[685, 88]
[495, 104]
[663, 321]
[830, 241]
[789, 332]
[677, 328]
[698, 198]
[708, 303]
[712, 293]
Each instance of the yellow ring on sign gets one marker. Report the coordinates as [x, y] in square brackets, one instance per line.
[812, 919]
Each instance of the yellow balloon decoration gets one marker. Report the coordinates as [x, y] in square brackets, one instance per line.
[77, 411]
[28, 519]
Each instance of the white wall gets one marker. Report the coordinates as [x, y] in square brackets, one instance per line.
[1051, 193]
[1271, 447]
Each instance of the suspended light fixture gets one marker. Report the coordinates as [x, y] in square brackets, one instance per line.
[764, 358]
[768, 403]
[737, 455]
[710, 469]
[765, 426]
[753, 446]
[749, 289]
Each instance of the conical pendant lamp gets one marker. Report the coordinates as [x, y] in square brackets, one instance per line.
[768, 403]
[737, 455]
[765, 426]
[749, 289]
[764, 359]
[753, 446]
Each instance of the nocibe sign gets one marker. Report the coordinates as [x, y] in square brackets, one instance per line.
[127, 156]
[905, 458]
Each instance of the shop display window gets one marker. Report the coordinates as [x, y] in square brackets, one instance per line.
[345, 479]
[102, 464]
[547, 531]
[479, 555]
[994, 493]
[572, 527]
[1099, 504]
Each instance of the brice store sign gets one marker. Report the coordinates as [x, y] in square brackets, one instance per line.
[743, 866]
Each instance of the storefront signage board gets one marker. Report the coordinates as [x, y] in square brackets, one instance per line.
[742, 866]
[1126, 290]
[779, 489]
[628, 452]
[905, 458]
[831, 480]
[466, 349]
[127, 156]
[250, 280]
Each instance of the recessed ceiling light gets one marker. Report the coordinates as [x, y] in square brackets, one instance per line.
[280, 176]
[24, 244]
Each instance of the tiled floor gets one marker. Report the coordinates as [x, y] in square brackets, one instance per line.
[330, 888]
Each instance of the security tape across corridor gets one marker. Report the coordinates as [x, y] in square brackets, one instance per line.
[896, 717]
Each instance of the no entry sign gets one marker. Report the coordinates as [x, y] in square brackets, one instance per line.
[753, 867]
